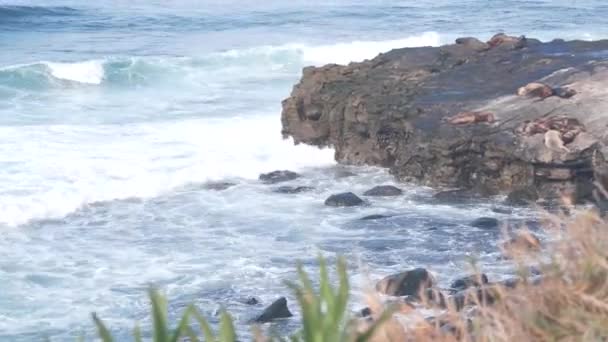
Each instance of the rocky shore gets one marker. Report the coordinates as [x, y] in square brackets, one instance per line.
[510, 115]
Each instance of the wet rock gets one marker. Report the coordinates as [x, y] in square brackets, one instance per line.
[292, 189]
[344, 174]
[218, 186]
[278, 176]
[374, 217]
[407, 283]
[278, 309]
[485, 223]
[383, 190]
[346, 199]
[252, 301]
[469, 281]
[522, 197]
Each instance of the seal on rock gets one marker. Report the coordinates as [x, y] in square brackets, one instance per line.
[535, 89]
[553, 141]
[501, 38]
[465, 118]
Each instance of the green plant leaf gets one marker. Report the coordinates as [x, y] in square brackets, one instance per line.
[159, 316]
[227, 331]
[102, 331]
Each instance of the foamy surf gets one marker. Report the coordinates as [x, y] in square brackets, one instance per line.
[55, 170]
[261, 60]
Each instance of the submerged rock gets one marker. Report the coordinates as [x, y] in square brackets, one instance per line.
[374, 217]
[383, 190]
[218, 186]
[292, 189]
[346, 199]
[278, 309]
[407, 283]
[485, 223]
[252, 301]
[457, 196]
[278, 176]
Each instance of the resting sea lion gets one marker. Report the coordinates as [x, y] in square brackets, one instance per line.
[553, 141]
[464, 118]
[535, 89]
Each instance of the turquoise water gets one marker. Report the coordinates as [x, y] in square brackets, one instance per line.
[113, 114]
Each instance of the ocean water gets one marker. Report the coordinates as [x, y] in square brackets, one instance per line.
[114, 114]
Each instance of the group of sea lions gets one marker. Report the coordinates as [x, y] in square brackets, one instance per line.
[558, 131]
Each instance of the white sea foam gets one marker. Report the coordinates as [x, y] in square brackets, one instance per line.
[54, 170]
[90, 72]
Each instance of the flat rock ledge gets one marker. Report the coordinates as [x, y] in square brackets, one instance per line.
[491, 117]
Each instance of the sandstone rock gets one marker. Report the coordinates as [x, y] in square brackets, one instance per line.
[383, 190]
[485, 223]
[346, 199]
[278, 309]
[407, 283]
[278, 176]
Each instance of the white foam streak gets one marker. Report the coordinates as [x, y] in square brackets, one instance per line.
[89, 72]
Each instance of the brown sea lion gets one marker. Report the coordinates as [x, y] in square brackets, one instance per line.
[535, 89]
[465, 118]
[553, 141]
[501, 38]
[472, 43]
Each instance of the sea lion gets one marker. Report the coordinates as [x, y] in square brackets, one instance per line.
[553, 141]
[501, 38]
[535, 89]
[464, 118]
[472, 43]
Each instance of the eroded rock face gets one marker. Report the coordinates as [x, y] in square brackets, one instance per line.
[450, 116]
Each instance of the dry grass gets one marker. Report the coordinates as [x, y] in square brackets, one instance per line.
[570, 303]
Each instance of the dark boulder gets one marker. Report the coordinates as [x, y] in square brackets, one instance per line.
[218, 186]
[346, 199]
[365, 312]
[408, 283]
[278, 176]
[278, 309]
[383, 190]
[485, 223]
[292, 189]
[469, 281]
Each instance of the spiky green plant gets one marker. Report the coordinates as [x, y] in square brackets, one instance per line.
[324, 315]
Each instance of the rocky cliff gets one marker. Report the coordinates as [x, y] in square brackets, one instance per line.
[492, 116]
